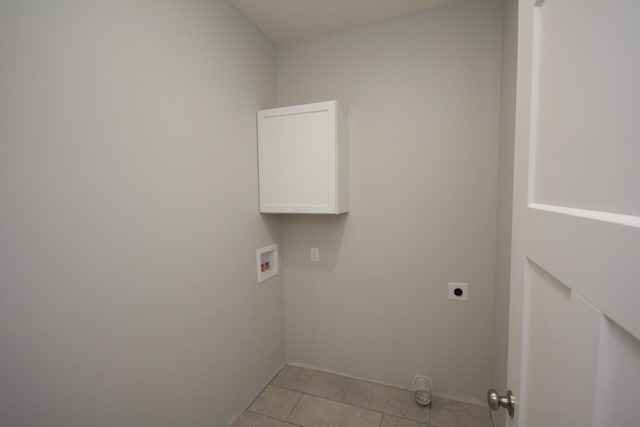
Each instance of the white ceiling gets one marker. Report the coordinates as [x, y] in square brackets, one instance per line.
[287, 20]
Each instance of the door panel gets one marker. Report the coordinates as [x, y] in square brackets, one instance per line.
[562, 332]
[585, 70]
[574, 348]
[596, 258]
[618, 385]
[547, 331]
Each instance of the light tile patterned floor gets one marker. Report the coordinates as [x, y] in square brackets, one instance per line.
[307, 398]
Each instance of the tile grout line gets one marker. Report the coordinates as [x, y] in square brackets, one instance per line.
[383, 412]
[275, 419]
[263, 389]
[342, 395]
[330, 400]
[354, 405]
[293, 407]
[270, 384]
[345, 390]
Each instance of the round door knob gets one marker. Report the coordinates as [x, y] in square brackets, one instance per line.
[495, 401]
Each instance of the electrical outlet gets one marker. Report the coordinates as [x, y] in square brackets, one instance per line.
[315, 254]
[458, 291]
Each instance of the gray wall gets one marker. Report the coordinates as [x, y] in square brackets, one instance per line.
[505, 198]
[129, 219]
[423, 95]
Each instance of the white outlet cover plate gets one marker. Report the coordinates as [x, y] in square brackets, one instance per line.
[465, 291]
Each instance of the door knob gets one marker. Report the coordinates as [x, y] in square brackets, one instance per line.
[495, 401]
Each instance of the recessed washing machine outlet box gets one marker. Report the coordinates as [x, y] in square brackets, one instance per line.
[267, 262]
[458, 291]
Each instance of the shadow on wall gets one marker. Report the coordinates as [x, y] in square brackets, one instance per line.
[272, 225]
[304, 232]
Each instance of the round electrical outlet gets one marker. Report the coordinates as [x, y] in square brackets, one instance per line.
[458, 291]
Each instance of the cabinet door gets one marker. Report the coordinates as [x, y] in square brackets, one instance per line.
[297, 156]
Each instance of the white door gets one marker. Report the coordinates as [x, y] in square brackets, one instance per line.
[574, 339]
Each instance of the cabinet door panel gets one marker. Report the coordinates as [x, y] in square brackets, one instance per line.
[296, 153]
[303, 154]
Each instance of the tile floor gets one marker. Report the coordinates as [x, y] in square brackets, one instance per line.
[304, 397]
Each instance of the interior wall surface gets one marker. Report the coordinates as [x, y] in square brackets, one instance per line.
[423, 99]
[129, 214]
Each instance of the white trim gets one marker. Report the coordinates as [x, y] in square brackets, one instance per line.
[464, 399]
[609, 217]
[533, 112]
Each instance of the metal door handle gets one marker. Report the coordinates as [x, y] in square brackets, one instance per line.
[495, 401]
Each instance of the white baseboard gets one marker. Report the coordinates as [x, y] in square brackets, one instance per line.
[344, 374]
[465, 399]
[459, 398]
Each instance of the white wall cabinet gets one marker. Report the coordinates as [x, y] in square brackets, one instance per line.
[302, 156]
